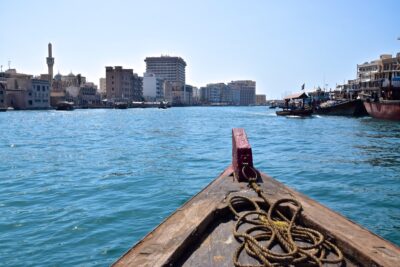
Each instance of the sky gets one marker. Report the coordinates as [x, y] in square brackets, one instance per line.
[279, 44]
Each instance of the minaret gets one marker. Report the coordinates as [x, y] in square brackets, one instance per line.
[50, 63]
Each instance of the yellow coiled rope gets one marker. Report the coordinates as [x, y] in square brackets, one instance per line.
[270, 227]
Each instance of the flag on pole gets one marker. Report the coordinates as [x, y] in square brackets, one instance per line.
[302, 87]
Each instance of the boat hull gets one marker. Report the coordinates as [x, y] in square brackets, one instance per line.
[348, 108]
[295, 112]
[387, 110]
[200, 232]
[65, 106]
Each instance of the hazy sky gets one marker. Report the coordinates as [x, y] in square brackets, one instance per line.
[279, 44]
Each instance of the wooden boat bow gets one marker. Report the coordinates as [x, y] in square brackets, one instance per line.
[200, 232]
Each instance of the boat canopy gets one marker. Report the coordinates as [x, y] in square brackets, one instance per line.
[301, 95]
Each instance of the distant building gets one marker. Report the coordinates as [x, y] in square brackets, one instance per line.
[22, 91]
[178, 94]
[261, 100]
[188, 94]
[212, 93]
[123, 85]
[153, 87]
[103, 84]
[195, 96]
[60, 85]
[168, 91]
[40, 98]
[3, 92]
[243, 92]
[84, 96]
[171, 69]
[377, 73]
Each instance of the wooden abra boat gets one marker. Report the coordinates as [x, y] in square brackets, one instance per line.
[65, 105]
[346, 107]
[273, 226]
[294, 112]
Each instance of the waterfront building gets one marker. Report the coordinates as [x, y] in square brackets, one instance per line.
[181, 94]
[103, 85]
[377, 73]
[39, 95]
[366, 71]
[261, 100]
[61, 83]
[212, 93]
[167, 86]
[188, 94]
[171, 69]
[123, 85]
[153, 87]
[22, 91]
[195, 96]
[85, 95]
[3, 92]
[243, 92]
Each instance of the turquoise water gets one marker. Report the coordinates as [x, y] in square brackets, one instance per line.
[81, 187]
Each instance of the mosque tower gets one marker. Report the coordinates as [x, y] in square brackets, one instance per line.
[50, 64]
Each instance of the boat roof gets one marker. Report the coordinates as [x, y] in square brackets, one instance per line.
[297, 96]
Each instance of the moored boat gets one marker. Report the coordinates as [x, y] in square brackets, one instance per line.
[344, 107]
[246, 218]
[383, 109]
[293, 109]
[294, 112]
[65, 105]
[121, 105]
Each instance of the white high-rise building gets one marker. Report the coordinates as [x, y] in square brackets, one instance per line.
[153, 87]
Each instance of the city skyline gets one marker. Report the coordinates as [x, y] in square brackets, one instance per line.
[279, 45]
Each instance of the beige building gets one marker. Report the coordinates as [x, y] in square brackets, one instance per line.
[261, 100]
[84, 96]
[244, 92]
[103, 85]
[171, 69]
[123, 85]
[25, 92]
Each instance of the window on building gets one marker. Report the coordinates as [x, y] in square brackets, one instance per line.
[30, 102]
[38, 88]
[43, 88]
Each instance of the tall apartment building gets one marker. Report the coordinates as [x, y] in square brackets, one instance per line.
[243, 92]
[153, 87]
[123, 85]
[171, 69]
